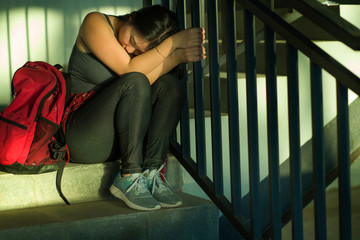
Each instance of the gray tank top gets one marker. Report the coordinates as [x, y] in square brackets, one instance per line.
[87, 72]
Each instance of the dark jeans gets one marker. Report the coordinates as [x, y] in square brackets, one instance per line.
[128, 119]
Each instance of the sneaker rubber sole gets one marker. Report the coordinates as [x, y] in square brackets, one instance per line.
[166, 205]
[119, 194]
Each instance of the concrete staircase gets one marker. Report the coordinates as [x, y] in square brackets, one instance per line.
[30, 208]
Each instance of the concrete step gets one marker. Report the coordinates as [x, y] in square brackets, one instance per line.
[111, 219]
[80, 183]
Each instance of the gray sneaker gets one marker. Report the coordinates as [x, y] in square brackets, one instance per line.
[134, 192]
[161, 190]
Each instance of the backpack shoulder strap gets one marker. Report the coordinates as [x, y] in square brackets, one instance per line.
[59, 151]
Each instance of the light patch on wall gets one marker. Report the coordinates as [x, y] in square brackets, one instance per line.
[37, 35]
[123, 10]
[262, 126]
[108, 10]
[351, 14]
[329, 99]
[352, 96]
[55, 30]
[304, 98]
[86, 11]
[346, 56]
[18, 38]
[283, 117]
[4, 63]
[342, 53]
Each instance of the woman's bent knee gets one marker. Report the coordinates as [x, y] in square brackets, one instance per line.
[136, 78]
[138, 82]
[171, 86]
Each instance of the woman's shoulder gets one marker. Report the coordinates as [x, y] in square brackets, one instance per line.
[93, 18]
[98, 20]
[92, 23]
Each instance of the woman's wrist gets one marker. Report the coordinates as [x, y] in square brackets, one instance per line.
[175, 40]
[177, 57]
[166, 48]
[156, 48]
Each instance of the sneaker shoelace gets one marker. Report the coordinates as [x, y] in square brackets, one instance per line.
[157, 181]
[139, 183]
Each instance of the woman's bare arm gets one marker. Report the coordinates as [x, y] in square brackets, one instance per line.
[178, 56]
[97, 36]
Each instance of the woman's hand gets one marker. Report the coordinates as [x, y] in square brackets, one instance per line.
[189, 45]
[192, 54]
[189, 38]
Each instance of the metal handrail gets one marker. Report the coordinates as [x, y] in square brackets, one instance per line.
[329, 21]
[253, 226]
[304, 44]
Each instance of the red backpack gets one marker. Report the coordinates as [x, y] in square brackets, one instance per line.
[30, 134]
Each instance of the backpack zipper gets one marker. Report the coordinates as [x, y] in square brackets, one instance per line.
[13, 123]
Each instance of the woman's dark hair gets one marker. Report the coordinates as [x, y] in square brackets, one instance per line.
[154, 23]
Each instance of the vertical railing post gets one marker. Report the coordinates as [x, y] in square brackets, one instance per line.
[295, 156]
[252, 120]
[344, 162]
[273, 136]
[215, 97]
[184, 119]
[199, 100]
[318, 152]
[228, 14]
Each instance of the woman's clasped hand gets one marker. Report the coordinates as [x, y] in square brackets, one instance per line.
[189, 45]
